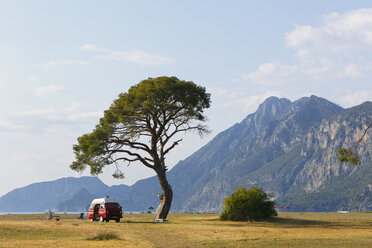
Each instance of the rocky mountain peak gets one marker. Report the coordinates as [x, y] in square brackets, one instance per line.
[271, 109]
[314, 110]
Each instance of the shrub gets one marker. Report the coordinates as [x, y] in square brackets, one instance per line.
[248, 204]
[104, 236]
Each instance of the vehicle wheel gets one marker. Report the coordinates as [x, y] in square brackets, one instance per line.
[101, 219]
[107, 220]
[117, 220]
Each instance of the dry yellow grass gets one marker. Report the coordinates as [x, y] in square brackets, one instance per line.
[191, 230]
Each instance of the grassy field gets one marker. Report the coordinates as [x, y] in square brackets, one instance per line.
[189, 230]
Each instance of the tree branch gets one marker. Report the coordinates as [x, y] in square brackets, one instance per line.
[172, 146]
[361, 138]
[144, 160]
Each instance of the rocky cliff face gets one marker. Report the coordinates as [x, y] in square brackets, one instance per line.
[332, 185]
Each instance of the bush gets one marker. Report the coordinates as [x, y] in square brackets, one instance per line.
[104, 236]
[248, 204]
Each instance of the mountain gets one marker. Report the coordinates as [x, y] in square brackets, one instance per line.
[78, 203]
[287, 148]
[49, 195]
[347, 187]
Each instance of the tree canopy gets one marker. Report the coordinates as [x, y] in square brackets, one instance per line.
[141, 125]
[248, 204]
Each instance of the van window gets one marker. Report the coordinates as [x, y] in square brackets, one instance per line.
[112, 205]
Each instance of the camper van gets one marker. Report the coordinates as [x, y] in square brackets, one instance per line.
[105, 209]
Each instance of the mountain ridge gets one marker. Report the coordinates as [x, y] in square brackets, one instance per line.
[47, 195]
[287, 148]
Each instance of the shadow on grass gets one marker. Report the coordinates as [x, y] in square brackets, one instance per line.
[104, 236]
[295, 223]
[286, 222]
[139, 222]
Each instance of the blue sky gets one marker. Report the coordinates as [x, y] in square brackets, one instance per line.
[63, 62]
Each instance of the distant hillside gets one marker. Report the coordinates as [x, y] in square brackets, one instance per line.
[49, 195]
[78, 203]
[347, 192]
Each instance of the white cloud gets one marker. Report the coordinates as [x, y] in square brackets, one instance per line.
[250, 103]
[73, 62]
[50, 64]
[58, 130]
[353, 71]
[349, 99]
[135, 56]
[239, 99]
[23, 157]
[272, 73]
[48, 120]
[85, 115]
[93, 48]
[38, 112]
[47, 90]
[339, 47]
[72, 107]
[13, 129]
[4, 76]
[138, 57]
[71, 113]
[89, 47]
[12, 126]
[337, 33]
[32, 78]
[55, 63]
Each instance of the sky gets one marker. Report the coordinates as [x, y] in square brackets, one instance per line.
[62, 63]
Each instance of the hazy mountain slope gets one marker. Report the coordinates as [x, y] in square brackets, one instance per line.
[78, 202]
[346, 192]
[345, 187]
[46, 195]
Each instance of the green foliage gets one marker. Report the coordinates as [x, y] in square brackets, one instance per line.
[157, 108]
[167, 94]
[347, 155]
[248, 204]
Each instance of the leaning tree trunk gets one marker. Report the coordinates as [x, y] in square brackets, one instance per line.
[165, 198]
